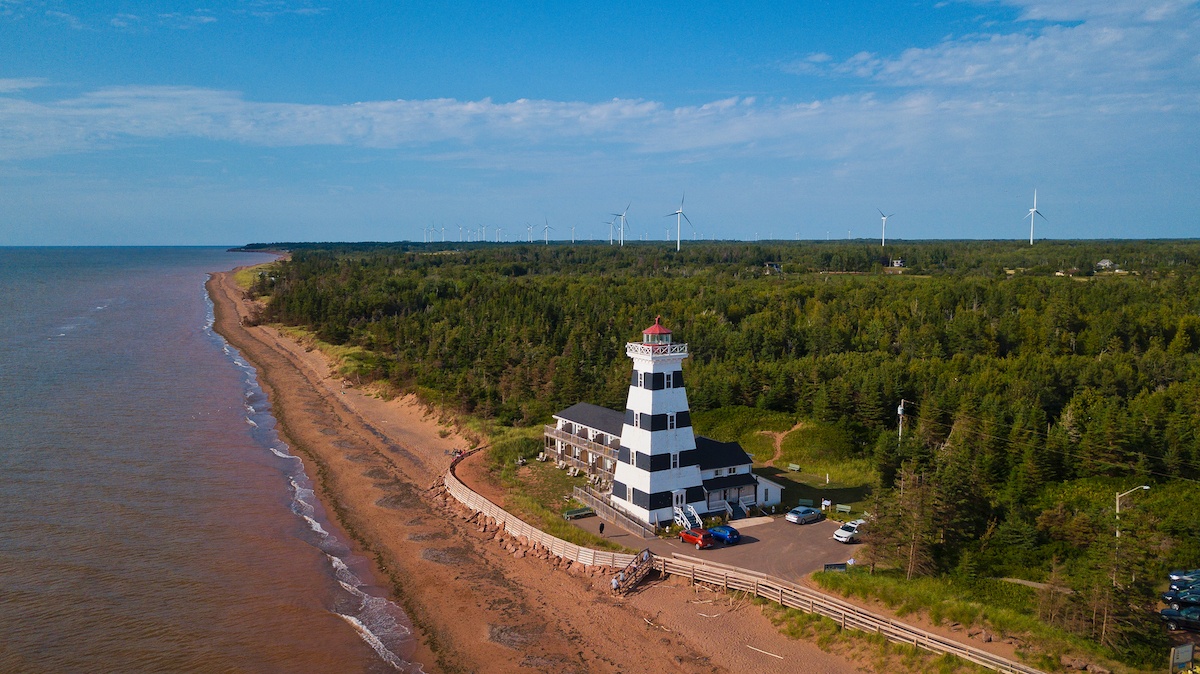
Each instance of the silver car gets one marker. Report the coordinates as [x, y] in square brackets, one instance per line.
[804, 515]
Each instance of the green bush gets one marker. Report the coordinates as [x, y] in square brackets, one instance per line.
[816, 440]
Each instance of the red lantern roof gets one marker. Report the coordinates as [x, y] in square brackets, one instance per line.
[657, 328]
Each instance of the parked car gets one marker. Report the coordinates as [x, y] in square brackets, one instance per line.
[1183, 584]
[849, 532]
[726, 534]
[1178, 574]
[804, 515]
[1178, 600]
[1183, 619]
[700, 537]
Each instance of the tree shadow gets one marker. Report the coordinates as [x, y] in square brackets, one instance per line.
[794, 489]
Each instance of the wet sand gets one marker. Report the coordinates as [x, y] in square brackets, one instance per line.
[477, 606]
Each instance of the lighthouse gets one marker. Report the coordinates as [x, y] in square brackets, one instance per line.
[657, 475]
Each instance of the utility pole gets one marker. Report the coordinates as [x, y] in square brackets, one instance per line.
[1117, 546]
[900, 426]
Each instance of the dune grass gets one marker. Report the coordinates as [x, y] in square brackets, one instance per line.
[874, 649]
[1004, 608]
[349, 361]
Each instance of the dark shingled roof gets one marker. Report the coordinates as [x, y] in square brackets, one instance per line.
[714, 454]
[594, 416]
[729, 481]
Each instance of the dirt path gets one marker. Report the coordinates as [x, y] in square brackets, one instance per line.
[778, 437]
[476, 607]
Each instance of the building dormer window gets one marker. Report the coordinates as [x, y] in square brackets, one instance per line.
[719, 472]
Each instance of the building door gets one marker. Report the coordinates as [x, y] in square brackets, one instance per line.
[678, 498]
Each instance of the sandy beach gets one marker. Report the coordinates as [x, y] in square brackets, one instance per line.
[477, 606]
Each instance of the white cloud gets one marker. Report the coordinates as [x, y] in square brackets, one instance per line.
[186, 21]
[70, 20]
[125, 21]
[1094, 48]
[13, 85]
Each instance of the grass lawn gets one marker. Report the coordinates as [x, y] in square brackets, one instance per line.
[538, 492]
[245, 278]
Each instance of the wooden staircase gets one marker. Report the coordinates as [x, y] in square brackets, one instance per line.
[635, 571]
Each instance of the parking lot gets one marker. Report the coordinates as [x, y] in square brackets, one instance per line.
[772, 546]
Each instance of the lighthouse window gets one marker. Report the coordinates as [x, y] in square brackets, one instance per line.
[670, 422]
[669, 381]
[674, 459]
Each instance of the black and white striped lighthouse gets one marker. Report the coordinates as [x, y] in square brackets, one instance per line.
[657, 467]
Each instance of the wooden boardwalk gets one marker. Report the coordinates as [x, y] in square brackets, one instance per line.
[729, 579]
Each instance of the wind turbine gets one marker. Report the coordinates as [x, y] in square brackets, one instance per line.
[620, 215]
[497, 233]
[443, 234]
[883, 232]
[530, 228]
[572, 234]
[546, 231]
[680, 216]
[1032, 212]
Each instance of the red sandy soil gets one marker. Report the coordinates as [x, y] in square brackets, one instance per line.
[477, 606]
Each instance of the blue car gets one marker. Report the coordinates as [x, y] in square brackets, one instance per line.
[1178, 600]
[726, 534]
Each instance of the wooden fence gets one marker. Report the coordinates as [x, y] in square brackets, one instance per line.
[607, 512]
[517, 527]
[844, 613]
[727, 578]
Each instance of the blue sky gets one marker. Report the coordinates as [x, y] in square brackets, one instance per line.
[127, 122]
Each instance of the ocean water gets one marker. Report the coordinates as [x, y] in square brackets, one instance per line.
[150, 518]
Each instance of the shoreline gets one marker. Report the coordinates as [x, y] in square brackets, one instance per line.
[474, 606]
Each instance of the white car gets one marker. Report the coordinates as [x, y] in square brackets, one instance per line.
[848, 533]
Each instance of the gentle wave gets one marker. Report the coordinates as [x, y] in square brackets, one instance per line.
[378, 621]
[375, 644]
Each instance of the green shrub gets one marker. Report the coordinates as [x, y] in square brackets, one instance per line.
[732, 424]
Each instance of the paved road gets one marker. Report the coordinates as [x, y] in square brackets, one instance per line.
[779, 548]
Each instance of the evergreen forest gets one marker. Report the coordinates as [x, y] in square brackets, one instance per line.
[1038, 382]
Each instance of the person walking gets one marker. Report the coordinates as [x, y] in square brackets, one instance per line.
[602, 528]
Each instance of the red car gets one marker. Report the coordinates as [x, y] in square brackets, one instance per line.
[701, 537]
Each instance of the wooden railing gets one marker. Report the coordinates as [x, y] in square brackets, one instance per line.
[590, 445]
[607, 512]
[515, 526]
[845, 614]
[729, 578]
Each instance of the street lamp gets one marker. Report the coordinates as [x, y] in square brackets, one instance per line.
[1119, 497]
[1117, 545]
